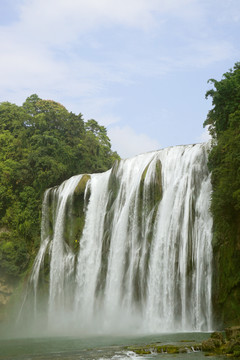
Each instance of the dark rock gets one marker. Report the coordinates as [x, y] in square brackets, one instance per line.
[211, 344]
[232, 332]
[233, 346]
[218, 336]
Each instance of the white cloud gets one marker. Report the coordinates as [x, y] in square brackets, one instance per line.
[66, 18]
[128, 143]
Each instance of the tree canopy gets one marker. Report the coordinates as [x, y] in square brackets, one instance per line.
[42, 144]
[225, 101]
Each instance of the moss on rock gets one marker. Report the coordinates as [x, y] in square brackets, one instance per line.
[218, 345]
[75, 214]
[81, 186]
[154, 187]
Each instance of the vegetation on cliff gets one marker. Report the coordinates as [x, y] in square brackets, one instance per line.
[42, 144]
[224, 162]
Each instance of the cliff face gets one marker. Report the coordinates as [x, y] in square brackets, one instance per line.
[6, 290]
[226, 277]
[223, 122]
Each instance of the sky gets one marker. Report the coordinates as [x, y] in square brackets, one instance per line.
[138, 67]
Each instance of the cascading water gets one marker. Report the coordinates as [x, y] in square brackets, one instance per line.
[130, 249]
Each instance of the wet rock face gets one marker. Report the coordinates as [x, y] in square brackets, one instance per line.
[216, 344]
[232, 332]
[233, 341]
[211, 344]
[233, 347]
[76, 214]
[6, 291]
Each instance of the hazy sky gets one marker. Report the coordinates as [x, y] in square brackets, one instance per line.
[138, 67]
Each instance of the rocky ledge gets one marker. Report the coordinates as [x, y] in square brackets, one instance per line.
[180, 348]
[227, 343]
[220, 343]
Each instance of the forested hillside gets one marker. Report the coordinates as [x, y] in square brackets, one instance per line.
[224, 162]
[41, 145]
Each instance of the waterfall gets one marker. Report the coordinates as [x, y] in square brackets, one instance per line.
[129, 249]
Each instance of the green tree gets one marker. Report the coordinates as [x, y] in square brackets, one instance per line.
[225, 101]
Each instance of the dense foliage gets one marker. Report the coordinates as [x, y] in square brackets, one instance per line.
[224, 162]
[41, 144]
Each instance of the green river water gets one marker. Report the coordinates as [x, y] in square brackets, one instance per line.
[95, 347]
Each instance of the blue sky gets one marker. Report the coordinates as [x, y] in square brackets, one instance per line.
[138, 67]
